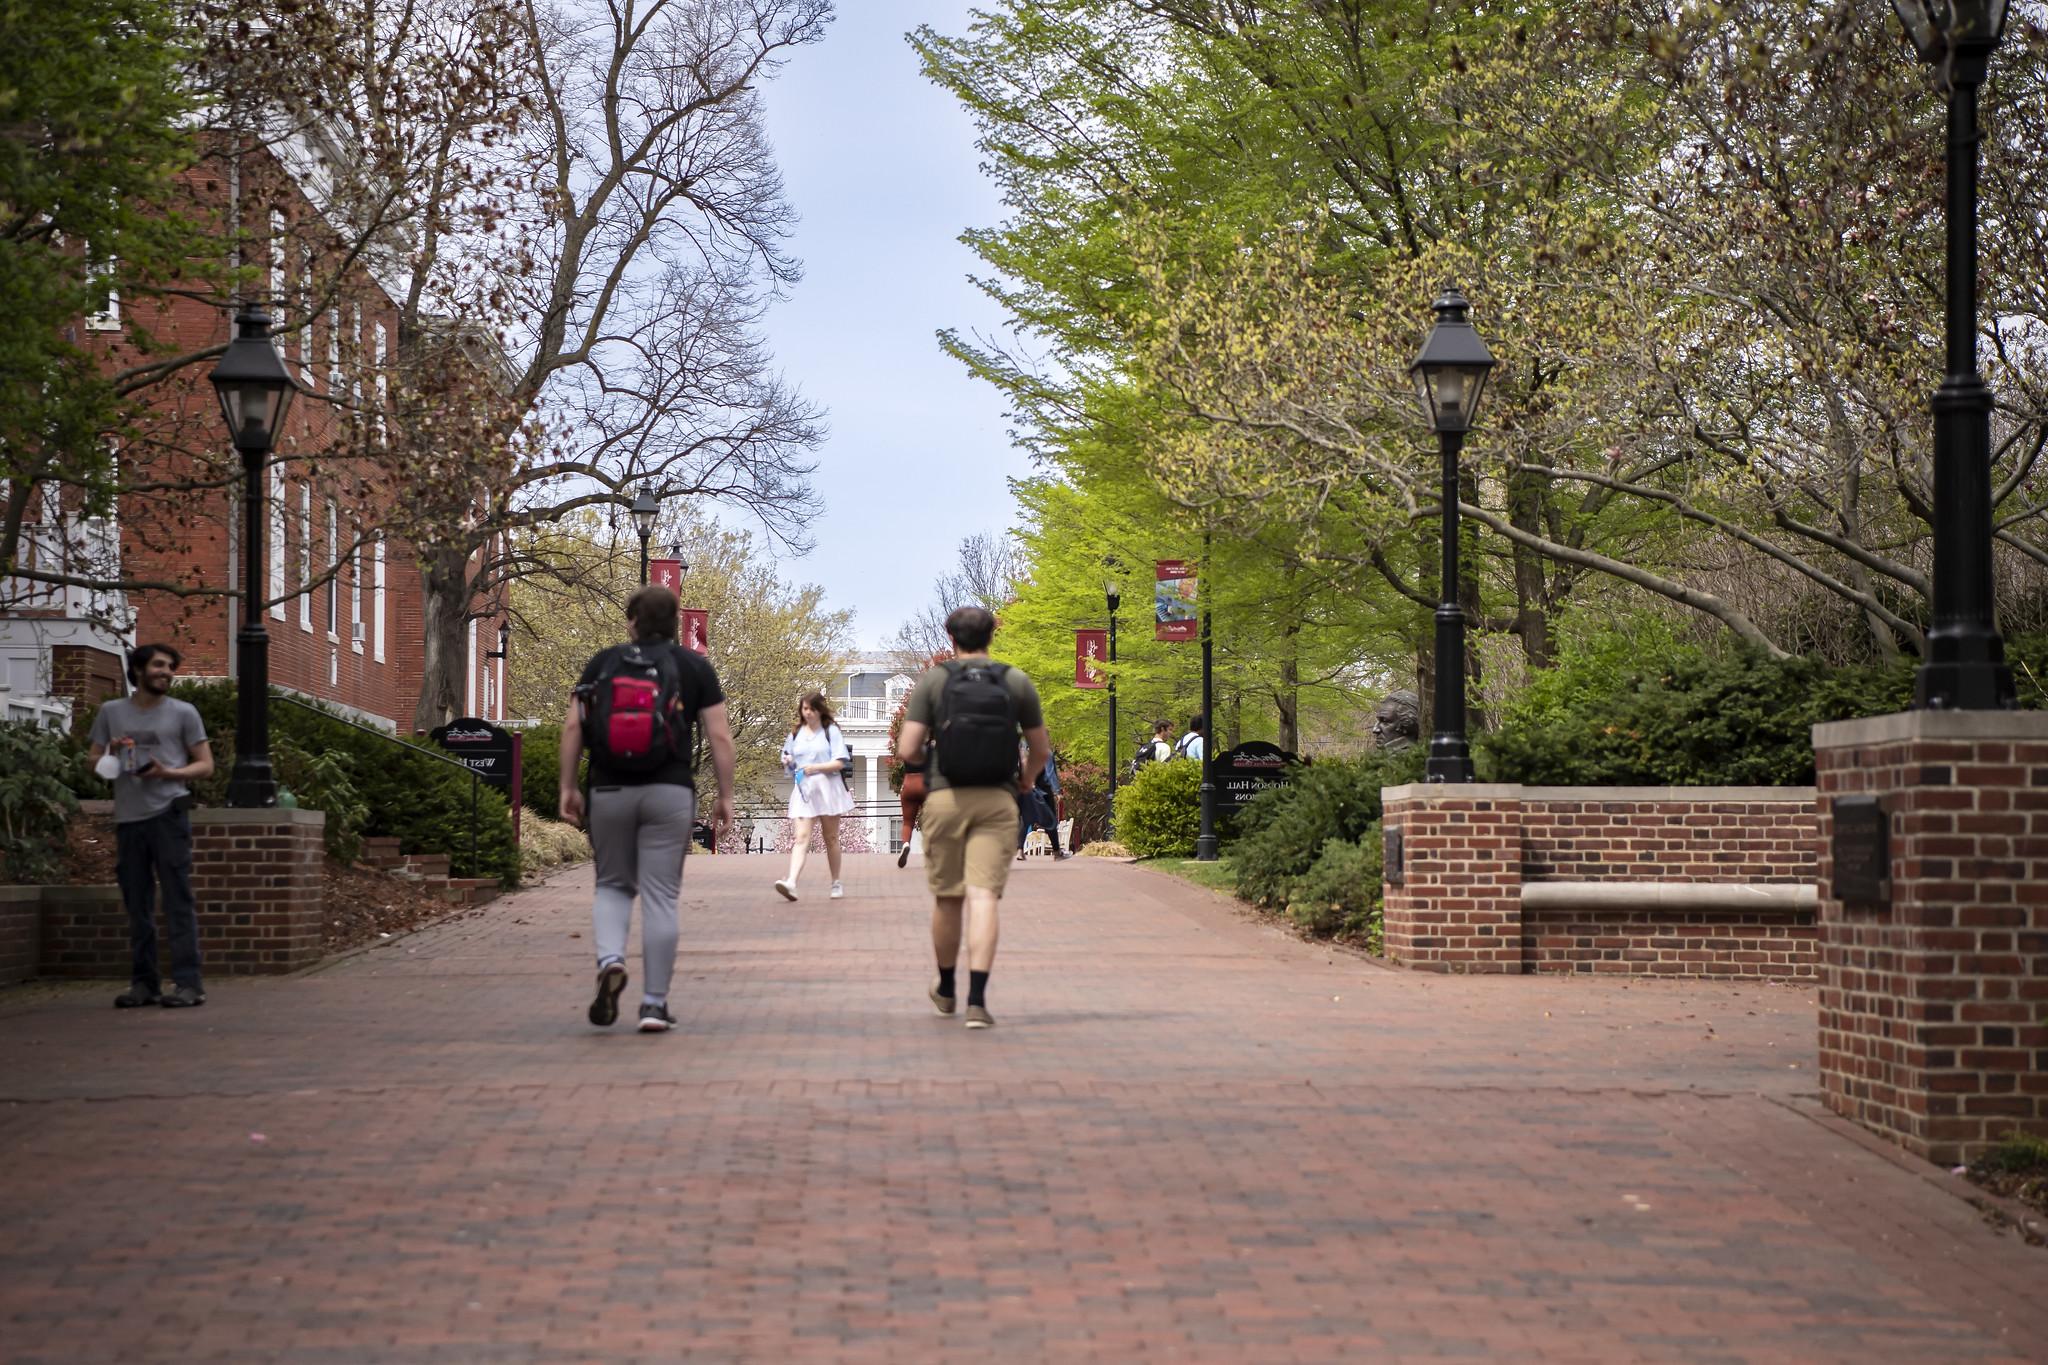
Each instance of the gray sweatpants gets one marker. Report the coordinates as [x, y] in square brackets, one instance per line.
[638, 835]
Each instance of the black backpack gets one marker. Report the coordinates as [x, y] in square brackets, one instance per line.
[977, 729]
[633, 718]
[1146, 754]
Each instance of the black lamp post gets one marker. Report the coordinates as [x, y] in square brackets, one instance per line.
[1205, 837]
[1965, 666]
[646, 507]
[255, 391]
[1114, 596]
[1450, 374]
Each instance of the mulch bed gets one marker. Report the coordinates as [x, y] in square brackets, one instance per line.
[363, 905]
[2030, 1188]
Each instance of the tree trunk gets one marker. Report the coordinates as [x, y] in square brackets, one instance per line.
[1469, 599]
[444, 611]
[1532, 588]
[1288, 697]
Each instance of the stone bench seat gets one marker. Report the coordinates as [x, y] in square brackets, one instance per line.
[1758, 897]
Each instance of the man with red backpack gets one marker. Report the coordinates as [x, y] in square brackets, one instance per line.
[972, 709]
[635, 711]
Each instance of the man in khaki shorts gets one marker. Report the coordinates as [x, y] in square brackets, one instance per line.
[972, 710]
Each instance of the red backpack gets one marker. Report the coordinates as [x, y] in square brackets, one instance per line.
[633, 719]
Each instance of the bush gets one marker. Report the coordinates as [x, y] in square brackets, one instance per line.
[320, 780]
[38, 774]
[1339, 895]
[1284, 832]
[1158, 814]
[405, 787]
[540, 770]
[1612, 715]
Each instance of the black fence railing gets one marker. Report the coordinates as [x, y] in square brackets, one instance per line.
[474, 780]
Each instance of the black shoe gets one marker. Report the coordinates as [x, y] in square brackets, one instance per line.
[903, 856]
[138, 996]
[183, 997]
[611, 980]
[656, 1019]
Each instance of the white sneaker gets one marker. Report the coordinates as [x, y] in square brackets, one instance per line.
[838, 892]
[788, 890]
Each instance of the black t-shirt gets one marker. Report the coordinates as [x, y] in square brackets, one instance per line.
[699, 688]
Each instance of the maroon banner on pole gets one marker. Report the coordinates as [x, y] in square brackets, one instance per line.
[1091, 647]
[1173, 601]
[666, 573]
[696, 629]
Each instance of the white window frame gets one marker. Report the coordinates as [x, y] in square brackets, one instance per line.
[306, 555]
[306, 311]
[277, 527]
[108, 317]
[469, 691]
[377, 603]
[355, 349]
[383, 391]
[334, 351]
[355, 594]
[277, 260]
[334, 570]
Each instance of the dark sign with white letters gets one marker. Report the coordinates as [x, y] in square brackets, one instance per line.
[1862, 852]
[482, 747]
[1247, 770]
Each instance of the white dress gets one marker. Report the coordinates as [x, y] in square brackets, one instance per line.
[819, 793]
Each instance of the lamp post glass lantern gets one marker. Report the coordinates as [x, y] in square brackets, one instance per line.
[1964, 665]
[255, 392]
[1450, 376]
[646, 507]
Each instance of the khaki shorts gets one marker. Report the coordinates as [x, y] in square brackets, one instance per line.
[970, 835]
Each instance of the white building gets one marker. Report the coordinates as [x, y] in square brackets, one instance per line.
[864, 697]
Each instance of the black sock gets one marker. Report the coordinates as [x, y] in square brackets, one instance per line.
[977, 989]
[946, 981]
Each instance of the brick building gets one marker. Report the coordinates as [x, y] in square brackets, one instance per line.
[344, 613]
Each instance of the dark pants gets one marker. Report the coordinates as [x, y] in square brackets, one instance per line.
[148, 852]
[1036, 808]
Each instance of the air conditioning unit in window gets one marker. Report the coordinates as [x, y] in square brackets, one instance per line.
[357, 632]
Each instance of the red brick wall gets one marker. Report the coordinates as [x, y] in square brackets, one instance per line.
[1664, 836]
[20, 932]
[1460, 906]
[1934, 1009]
[1470, 850]
[1656, 942]
[88, 676]
[258, 877]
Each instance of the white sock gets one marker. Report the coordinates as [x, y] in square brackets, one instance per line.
[646, 999]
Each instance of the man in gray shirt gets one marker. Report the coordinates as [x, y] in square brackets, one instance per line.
[159, 744]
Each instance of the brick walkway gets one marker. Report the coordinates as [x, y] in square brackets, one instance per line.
[1189, 1138]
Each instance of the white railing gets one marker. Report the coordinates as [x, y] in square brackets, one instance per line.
[91, 548]
[864, 708]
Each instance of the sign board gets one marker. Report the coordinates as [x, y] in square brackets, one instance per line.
[1862, 852]
[482, 747]
[666, 573]
[1090, 648]
[696, 629]
[1173, 601]
[1393, 861]
[1247, 770]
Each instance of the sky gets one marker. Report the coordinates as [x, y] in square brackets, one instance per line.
[881, 166]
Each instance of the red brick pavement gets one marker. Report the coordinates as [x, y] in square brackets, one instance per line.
[1190, 1137]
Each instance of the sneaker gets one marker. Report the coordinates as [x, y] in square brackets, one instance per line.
[656, 1019]
[788, 890]
[1060, 855]
[942, 1003]
[903, 856]
[611, 980]
[979, 1017]
[137, 996]
[183, 997]
[838, 892]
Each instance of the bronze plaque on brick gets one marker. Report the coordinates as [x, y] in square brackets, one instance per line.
[1862, 851]
[1390, 858]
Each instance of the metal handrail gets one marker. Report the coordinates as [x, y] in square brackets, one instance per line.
[325, 714]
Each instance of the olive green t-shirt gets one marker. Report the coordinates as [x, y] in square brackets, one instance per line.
[923, 707]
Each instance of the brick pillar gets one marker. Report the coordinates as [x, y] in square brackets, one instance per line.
[260, 879]
[1934, 1007]
[1459, 907]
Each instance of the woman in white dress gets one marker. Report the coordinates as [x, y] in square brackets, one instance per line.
[815, 755]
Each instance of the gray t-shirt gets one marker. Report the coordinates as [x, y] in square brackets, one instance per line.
[923, 707]
[168, 733]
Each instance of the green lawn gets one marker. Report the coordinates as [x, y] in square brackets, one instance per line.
[1217, 876]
